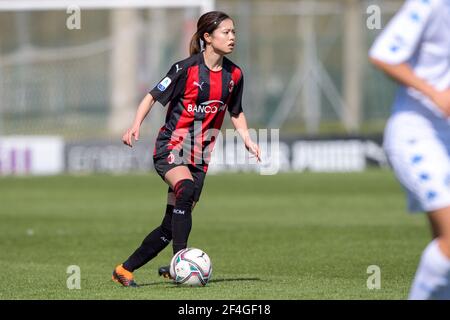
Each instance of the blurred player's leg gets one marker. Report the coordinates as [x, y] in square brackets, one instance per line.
[422, 165]
[432, 280]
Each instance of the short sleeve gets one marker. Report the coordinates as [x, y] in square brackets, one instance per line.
[169, 87]
[235, 106]
[400, 39]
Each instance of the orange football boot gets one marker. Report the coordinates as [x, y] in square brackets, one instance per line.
[123, 276]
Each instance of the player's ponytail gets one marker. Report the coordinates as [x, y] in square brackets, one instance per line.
[195, 46]
[207, 23]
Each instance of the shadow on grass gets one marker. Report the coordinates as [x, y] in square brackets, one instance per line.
[168, 282]
[156, 283]
[234, 279]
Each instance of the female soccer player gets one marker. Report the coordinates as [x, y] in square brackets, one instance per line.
[199, 89]
[414, 49]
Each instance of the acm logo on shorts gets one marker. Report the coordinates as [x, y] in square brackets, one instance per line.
[170, 158]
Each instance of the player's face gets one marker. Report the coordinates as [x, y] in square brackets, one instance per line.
[223, 38]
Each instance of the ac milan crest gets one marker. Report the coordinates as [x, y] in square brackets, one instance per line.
[171, 158]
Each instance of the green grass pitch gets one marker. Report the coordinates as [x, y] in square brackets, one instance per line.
[289, 236]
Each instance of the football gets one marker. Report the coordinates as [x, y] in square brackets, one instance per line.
[191, 267]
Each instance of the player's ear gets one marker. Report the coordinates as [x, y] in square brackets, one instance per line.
[207, 37]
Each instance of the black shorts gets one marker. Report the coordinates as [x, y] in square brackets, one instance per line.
[162, 166]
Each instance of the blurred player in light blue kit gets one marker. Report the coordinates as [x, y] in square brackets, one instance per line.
[414, 49]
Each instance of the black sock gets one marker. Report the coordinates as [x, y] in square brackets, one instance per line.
[182, 217]
[153, 243]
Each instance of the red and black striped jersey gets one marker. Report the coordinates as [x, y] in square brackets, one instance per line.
[199, 98]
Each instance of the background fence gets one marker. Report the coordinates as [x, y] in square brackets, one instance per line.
[302, 72]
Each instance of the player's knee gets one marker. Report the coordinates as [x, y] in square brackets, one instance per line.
[184, 192]
[171, 198]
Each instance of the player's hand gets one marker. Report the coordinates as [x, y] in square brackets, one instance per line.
[254, 149]
[442, 100]
[127, 136]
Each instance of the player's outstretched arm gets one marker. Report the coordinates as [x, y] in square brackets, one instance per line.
[240, 124]
[405, 75]
[142, 111]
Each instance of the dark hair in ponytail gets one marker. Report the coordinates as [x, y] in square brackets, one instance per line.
[207, 23]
